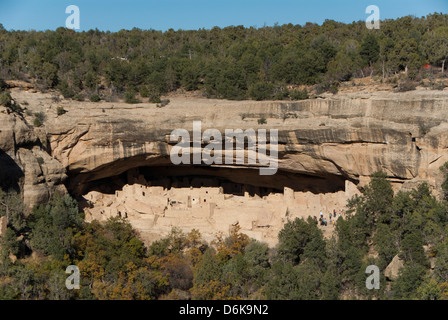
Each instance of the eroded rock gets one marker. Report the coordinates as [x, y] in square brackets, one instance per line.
[327, 145]
[24, 165]
[392, 271]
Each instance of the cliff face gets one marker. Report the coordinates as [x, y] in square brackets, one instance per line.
[24, 164]
[342, 137]
[325, 145]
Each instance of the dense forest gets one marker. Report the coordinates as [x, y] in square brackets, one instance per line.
[235, 62]
[115, 264]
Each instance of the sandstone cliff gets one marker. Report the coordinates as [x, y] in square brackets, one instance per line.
[24, 164]
[325, 144]
[345, 136]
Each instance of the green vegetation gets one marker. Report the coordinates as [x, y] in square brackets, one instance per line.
[129, 96]
[299, 95]
[78, 97]
[262, 120]
[95, 98]
[39, 119]
[115, 264]
[261, 91]
[6, 100]
[60, 111]
[231, 63]
[406, 86]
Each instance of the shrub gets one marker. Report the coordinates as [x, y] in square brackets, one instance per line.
[78, 97]
[330, 86]
[144, 91]
[299, 95]
[392, 80]
[60, 111]
[295, 237]
[2, 84]
[407, 85]
[40, 160]
[95, 98]
[39, 118]
[54, 225]
[37, 122]
[261, 91]
[17, 108]
[56, 98]
[65, 90]
[281, 95]
[444, 170]
[287, 115]
[154, 98]
[334, 88]
[154, 94]
[129, 97]
[5, 99]
[262, 120]
[437, 85]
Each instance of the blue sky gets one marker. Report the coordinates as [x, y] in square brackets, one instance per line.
[162, 15]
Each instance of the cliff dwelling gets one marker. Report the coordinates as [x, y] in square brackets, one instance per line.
[213, 199]
[119, 165]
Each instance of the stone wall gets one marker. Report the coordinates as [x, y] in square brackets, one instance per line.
[154, 210]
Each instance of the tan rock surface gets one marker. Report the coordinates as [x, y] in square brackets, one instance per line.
[392, 271]
[324, 143]
[24, 164]
[349, 136]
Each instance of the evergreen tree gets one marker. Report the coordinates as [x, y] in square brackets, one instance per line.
[369, 50]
